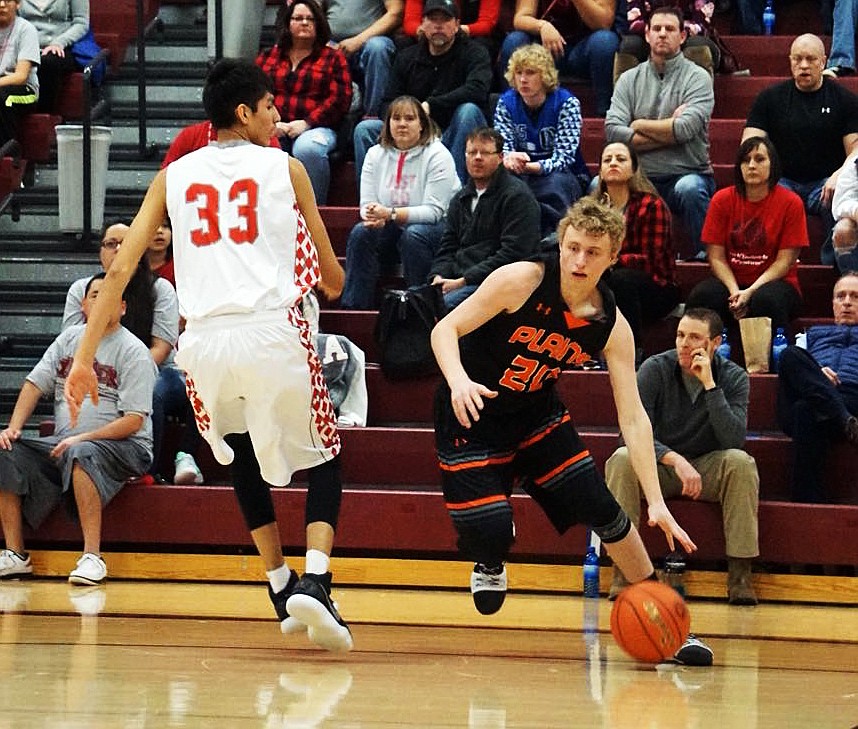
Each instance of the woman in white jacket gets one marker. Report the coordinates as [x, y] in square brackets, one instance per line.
[844, 208]
[406, 184]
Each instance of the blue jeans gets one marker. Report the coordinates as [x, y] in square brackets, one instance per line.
[312, 149]
[415, 246]
[843, 35]
[169, 398]
[454, 298]
[688, 196]
[811, 195]
[554, 193]
[592, 57]
[371, 64]
[466, 118]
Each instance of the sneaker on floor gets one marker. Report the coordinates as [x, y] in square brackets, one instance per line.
[694, 652]
[488, 587]
[90, 570]
[14, 565]
[311, 603]
[187, 470]
[288, 624]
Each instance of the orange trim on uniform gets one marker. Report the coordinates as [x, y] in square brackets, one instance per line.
[478, 502]
[477, 464]
[541, 434]
[551, 474]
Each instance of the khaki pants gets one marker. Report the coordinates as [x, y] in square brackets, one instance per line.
[729, 477]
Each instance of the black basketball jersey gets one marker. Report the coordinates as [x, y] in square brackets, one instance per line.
[522, 354]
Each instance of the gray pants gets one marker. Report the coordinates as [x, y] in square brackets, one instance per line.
[729, 478]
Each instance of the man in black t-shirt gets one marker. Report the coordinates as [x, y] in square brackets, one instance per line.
[813, 123]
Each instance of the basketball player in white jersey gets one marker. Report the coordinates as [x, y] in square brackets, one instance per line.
[244, 258]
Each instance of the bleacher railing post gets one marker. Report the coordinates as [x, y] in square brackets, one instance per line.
[141, 81]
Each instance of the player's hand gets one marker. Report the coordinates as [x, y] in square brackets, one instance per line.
[65, 444]
[692, 483]
[831, 375]
[8, 437]
[80, 382]
[661, 517]
[467, 399]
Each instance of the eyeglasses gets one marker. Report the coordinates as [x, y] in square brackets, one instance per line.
[480, 152]
[303, 19]
[111, 243]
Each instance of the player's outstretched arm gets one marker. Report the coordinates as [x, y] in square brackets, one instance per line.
[637, 430]
[81, 378]
[333, 276]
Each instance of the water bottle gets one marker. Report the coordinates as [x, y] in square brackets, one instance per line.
[591, 573]
[801, 340]
[768, 18]
[674, 571]
[724, 347]
[779, 344]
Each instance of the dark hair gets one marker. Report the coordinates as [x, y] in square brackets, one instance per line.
[745, 149]
[638, 182]
[230, 83]
[668, 10]
[487, 134]
[284, 34]
[140, 303]
[428, 129]
[97, 277]
[716, 324]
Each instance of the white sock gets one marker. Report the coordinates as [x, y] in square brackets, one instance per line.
[279, 577]
[318, 563]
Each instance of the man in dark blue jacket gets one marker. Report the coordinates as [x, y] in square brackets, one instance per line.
[818, 391]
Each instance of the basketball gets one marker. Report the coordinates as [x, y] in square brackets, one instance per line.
[650, 621]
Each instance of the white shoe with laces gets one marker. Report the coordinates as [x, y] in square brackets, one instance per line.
[90, 570]
[14, 565]
[187, 471]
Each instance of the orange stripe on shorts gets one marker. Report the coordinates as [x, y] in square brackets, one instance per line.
[477, 502]
[563, 466]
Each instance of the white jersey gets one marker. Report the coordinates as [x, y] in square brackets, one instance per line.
[240, 244]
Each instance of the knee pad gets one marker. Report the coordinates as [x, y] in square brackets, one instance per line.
[485, 532]
[324, 493]
[252, 492]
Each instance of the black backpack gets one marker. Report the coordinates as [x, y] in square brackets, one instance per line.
[402, 331]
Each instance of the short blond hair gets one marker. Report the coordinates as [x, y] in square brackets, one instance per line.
[537, 57]
[594, 218]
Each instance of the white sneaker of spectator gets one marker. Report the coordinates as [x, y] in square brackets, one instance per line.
[90, 570]
[13, 564]
[187, 470]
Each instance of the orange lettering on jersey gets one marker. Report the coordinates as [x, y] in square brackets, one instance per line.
[523, 334]
[518, 374]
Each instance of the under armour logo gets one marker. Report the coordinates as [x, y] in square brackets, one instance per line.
[825, 110]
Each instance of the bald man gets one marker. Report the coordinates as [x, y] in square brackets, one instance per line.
[813, 123]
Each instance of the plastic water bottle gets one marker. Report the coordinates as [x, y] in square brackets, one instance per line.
[779, 344]
[724, 347]
[768, 18]
[674, 571]
[591, 573]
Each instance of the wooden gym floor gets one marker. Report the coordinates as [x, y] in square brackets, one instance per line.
[148, 653]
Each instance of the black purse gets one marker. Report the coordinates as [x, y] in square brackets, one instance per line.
[403, 328]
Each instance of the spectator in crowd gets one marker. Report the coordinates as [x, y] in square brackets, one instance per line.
[111, 442]
[479, 20]
[582, 36]
[661, 109]
[152, 313]
[60, 23]
[644, 278]
[754, 233]
[813, 123]
[312, 89]
[844, 208]
[697, 403]
[493, 220]
[448, 73]
[407, 182]
[540, 123]
[841, 62]
[702, 43]
[362, 30]
[818, 391]
[19, 63]
[160, 253]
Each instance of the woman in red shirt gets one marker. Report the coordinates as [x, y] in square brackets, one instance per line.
[754, 233]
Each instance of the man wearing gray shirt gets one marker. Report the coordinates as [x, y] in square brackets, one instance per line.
[111, 443]
[662, 108]
[697, 402]
[362, 29]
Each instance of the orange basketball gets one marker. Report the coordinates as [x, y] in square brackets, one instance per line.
[650, 621]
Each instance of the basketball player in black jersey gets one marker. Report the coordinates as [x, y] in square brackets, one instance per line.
[499, 422]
